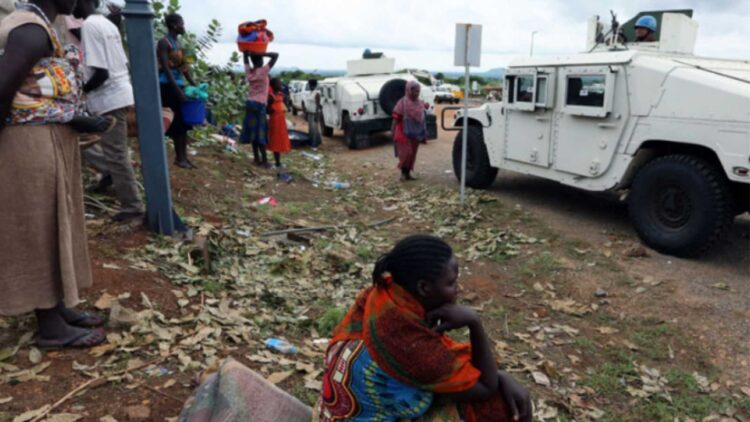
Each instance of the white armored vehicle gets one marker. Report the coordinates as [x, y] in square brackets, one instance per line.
[649, 118]
[361, 102]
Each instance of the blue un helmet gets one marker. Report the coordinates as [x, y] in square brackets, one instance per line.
[646, 21]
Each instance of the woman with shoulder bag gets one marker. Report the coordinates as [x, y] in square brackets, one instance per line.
[409, 128]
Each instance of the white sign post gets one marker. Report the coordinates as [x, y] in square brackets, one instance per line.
[468, 53]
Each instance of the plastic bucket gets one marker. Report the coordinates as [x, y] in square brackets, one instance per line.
[194, 112]
[253, 46]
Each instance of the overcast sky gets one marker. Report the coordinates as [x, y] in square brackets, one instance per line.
[323, 34]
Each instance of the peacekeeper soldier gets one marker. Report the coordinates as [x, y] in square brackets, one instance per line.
[645, 29]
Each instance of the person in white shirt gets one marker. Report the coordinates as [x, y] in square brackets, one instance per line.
[110, 93]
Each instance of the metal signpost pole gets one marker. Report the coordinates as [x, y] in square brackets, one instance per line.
[159, 214]
[465, 135]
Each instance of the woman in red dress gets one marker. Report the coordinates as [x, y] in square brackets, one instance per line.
[409, 128]
[278, 135]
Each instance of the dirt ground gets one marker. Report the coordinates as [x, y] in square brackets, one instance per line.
[667, 339]
[600, 220]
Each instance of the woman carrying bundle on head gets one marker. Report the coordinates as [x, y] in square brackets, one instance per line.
[390, 360]
[255, 126]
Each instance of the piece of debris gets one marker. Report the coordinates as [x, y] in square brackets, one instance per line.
[105, 302]
[138, 413]
[541, 378]
[601, 293]
[120, 316]
[268, 200]
[636, 251]
[281, 346]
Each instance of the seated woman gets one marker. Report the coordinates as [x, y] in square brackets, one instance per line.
[389, 359]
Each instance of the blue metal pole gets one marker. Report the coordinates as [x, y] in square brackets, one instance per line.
[139, 23]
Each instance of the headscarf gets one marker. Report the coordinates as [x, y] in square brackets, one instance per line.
[391, 323]
[411, 108]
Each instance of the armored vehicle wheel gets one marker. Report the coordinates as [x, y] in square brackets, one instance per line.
[680, 204]
[354, 139]
[326, 130]
[479, 173]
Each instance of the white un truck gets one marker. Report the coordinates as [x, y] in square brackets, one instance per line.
[649, 118]
[360, 103]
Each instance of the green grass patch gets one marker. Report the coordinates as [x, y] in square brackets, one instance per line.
[585, 343]
[329, 320]
[609, 379]
[653, 341]
[213, 287]
[365, 252]
[542, 265]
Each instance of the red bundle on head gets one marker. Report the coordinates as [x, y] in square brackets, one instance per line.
[253, 36]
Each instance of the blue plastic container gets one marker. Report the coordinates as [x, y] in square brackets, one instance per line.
[194, 112]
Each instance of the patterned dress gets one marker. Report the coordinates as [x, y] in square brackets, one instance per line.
[355, 388]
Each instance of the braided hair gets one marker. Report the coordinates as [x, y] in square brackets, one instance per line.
[414, 258]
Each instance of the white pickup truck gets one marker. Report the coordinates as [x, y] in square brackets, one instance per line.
[298, 91]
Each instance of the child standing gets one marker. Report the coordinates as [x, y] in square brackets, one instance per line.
[278, 134]
[255, 126]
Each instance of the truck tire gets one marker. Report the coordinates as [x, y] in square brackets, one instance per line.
[680, 204]
[326, 130]
[741, 195]
[354, 139]
[479, 173]
[390, 93]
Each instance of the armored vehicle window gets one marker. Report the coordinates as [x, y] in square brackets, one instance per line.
[541, 91]
[586, 91]
[525, 92]
[510, 88]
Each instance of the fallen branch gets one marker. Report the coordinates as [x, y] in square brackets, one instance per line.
[66, 397]
[93, 202]
[169, 396]
[324, 228]
[98, 381]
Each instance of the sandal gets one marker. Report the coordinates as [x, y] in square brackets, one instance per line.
[87, 320]
[285, 177]
[88, 339]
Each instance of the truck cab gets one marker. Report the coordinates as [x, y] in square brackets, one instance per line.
[669, 129]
